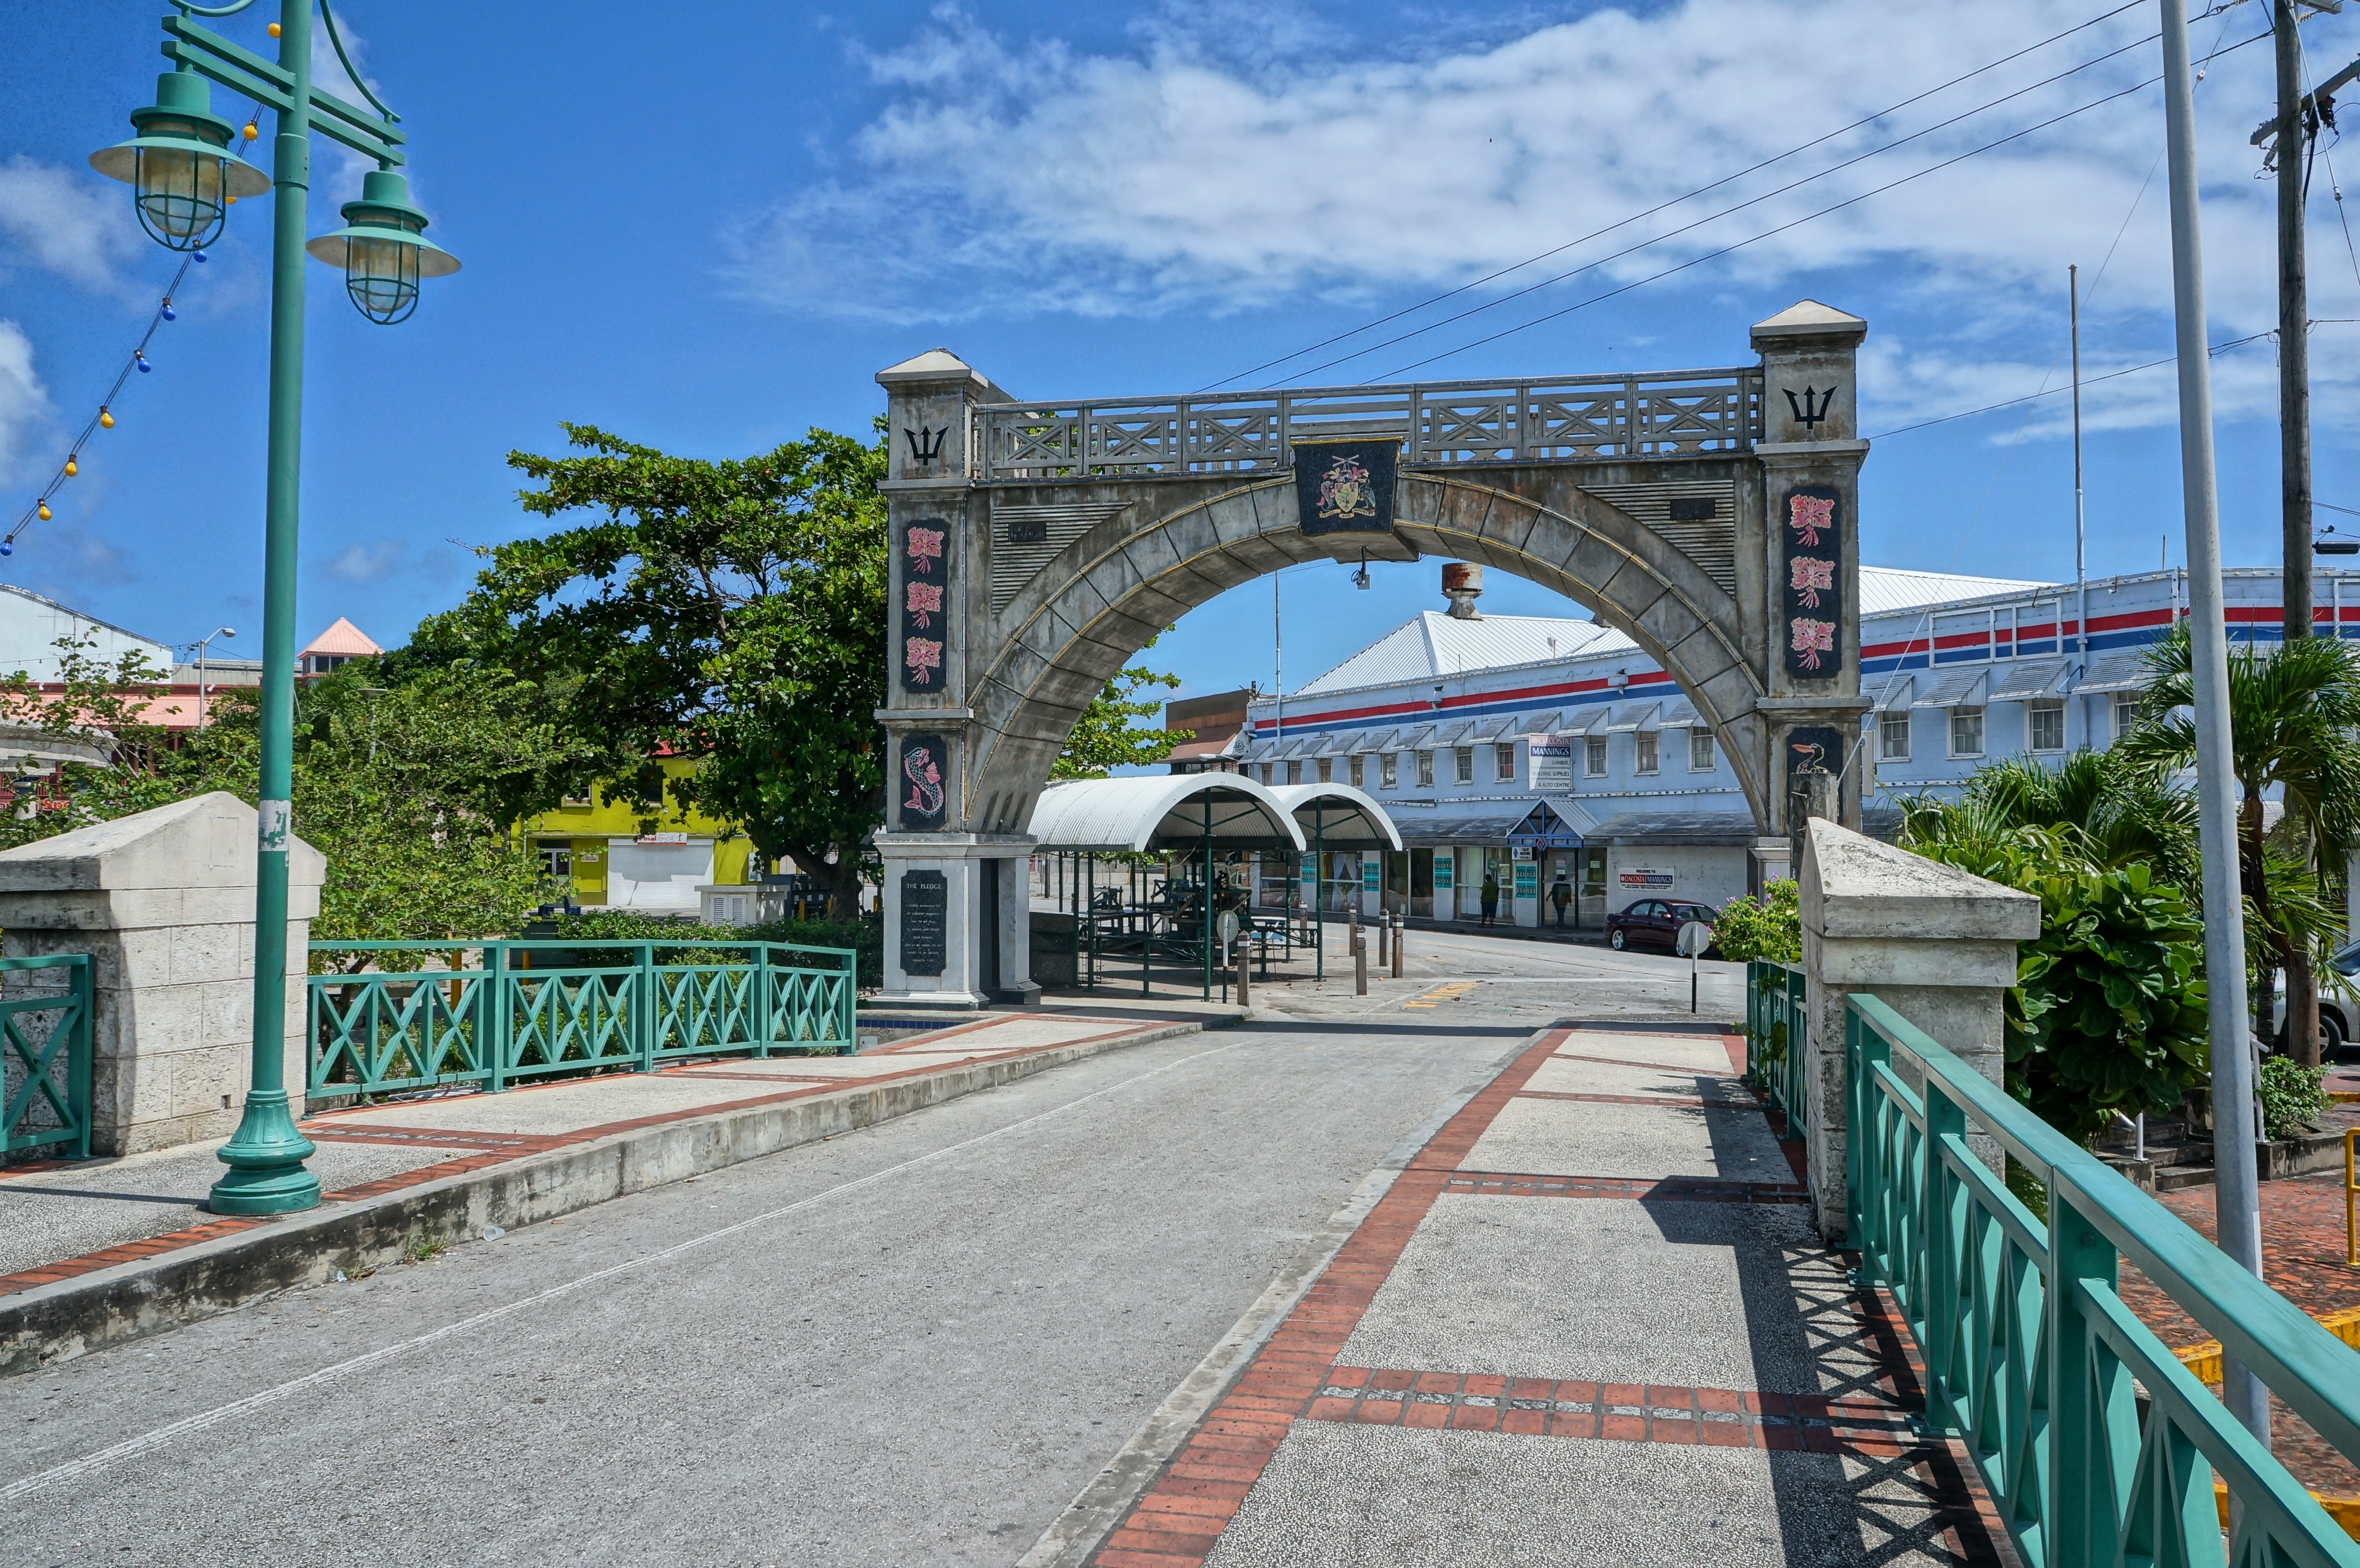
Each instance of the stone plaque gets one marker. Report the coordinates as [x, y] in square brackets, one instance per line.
[925, 921]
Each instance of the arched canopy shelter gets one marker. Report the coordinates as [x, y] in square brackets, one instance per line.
[1337, 816]
[1177, 813]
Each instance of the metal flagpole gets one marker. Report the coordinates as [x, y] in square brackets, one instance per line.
[2236, 1200]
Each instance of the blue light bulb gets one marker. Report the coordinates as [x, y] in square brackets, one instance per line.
[6, 548]
[141, 361]
[197, 255]
[171, 314]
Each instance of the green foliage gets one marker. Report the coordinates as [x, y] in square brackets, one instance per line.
[732, 611]
[2108, 1014]
[1103, 738]
[1770, 927]
[677, 936]
[2293, 1096]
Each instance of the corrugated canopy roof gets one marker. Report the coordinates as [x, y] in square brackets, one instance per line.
[2028, 678]
[1345, 818]
[1165, 811]
[1630, 716]
[1953, 688]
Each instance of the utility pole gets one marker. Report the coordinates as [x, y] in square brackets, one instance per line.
[2080, 561]
[2237, 1194]
[2294, 329]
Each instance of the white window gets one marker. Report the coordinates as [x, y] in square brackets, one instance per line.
[1699, 751]
[1504, 759]
[1893, 737]
[1966, 732]
[1294, 773]
[2125, 712]
[2046, 723]
[1648, 747]
[1386, 762]
[1327, 771]
[1426, 770]
[1462, 763]
[1594, 757]
[1265, 772]
[1354, 768]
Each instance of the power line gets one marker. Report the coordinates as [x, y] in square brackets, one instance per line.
[2215, 351]
[1836, 207]
[1725, 211]
[1699, 191]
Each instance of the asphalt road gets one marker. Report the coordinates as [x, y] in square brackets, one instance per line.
[910, 1344]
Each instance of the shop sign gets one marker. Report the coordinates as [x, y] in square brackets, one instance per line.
[1528, 880]
[1443, 870]
[1644, 879]
[664, 838]
[1549, 766]
[1372, 875]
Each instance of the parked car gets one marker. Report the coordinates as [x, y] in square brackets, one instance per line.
[1654, 922]
[2339, 1016]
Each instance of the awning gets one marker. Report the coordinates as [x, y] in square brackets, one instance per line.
[1322, 746]
[1680, 715]
[1287, 749]
[1173, 810]
[1500, 728]
[1544, 828]
[1648, 829]
[1454, 733]
[2030, 678]
[1581, 721]
[1416, 739]
[1375, 740]
[1423, 830]
[1957, 689]
[2116, 672]
[1894, 692]
[1344, 817]
[1630, 716]
[1540, 723]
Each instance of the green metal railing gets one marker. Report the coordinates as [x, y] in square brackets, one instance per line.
[2096, 1444]
[46, 1077]
[1774, 1025]
[511, 1020]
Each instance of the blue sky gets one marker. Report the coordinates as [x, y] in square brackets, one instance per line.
[707, 228]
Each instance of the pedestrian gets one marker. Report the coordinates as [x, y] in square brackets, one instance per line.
[1490, 898]
[1561, 894]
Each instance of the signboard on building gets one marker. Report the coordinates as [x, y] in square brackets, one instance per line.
[1549, 767]
[1644, 879]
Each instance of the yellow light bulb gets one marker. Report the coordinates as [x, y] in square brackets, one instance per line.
[72, 468]
[45, 511]
[253, 128]
[274, 29]
[106, 420]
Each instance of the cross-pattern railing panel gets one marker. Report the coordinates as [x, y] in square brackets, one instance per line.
[1775, 1023]
[1665, 414]
[540, 1010]
[45, 1056]
[2096, 1444]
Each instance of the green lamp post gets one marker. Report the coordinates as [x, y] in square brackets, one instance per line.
[184, 176]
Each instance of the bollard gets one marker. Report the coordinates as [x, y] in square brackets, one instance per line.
[1384, 934]
[1245, 972]
[1352, 927]
[1359, 965]
[1400, 925]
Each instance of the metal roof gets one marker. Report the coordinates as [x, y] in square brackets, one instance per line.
[1435, 646]
[1171, 811]
[1346, 818]
[1888, 590]
[1954, 688]
[1649, 828]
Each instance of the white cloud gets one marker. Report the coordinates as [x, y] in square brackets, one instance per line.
[76, 224]
[1193, 172]
[25, 409]
[364, 561]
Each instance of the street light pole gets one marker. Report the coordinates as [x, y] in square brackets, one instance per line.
[2294, 333]
[184, 177]
[216, 632]
[2237, 1196]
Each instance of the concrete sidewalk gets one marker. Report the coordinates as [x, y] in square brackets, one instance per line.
[111, 1221]
[1589, 1323]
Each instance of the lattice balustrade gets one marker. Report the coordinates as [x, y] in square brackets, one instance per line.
[1659, 415]
[501, 1021]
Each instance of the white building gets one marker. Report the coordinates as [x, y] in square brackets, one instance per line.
[30, 627]
[1528, 747]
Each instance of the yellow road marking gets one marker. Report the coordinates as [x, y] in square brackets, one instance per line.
[1440, 994]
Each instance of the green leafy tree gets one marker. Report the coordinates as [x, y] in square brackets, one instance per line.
[1104, 737]
[731, 611]
[2292, 715]
[1771, 926]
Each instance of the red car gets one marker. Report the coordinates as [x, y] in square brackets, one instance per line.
[1654, 922]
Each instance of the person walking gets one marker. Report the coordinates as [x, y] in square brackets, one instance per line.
[1490, 898]
[1561, 894]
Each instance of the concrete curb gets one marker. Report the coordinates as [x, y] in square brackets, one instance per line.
[111, 1306]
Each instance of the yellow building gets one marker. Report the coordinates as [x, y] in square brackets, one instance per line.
[597, 846]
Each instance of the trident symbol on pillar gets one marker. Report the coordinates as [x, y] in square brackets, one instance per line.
[1808, 412]
[923, 450]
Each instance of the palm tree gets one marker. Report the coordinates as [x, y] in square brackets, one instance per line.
[2292, 715]
[2118, 810]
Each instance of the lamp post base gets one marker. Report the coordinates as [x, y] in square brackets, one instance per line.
[266, 1162]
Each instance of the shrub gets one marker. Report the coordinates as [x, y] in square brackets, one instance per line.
[2293, 1096]
[679, 936]
[1770, 927]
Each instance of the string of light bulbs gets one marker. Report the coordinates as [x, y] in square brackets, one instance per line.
[139, 364]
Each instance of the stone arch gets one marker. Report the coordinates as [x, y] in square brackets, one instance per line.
[1114, 588]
